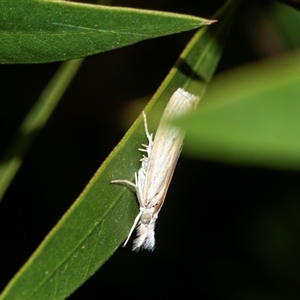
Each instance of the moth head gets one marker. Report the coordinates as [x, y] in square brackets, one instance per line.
[146, 218]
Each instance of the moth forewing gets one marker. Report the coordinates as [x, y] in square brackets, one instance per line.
[166, 148]
[160, 174]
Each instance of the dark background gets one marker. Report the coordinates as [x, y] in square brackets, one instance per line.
[225, 232]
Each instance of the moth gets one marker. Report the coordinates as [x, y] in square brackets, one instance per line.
[157, 167]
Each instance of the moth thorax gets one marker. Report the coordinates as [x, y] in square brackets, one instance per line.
[146, 218]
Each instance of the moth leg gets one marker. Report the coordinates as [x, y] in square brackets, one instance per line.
[147, 148]
[132, 228]
[138, 186]
[125, 182]
[149, 136]
[138, 192]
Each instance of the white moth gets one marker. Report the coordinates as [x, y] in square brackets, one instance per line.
[157, 168]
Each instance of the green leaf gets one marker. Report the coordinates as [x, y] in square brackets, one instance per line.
[287, 21]
[35, 31]
[100, 219]
[37, 117]
[250, 116]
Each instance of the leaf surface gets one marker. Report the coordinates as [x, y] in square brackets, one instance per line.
[34, 31]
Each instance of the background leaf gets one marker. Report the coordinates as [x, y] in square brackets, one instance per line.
[251, 116]
[60, 30]
[287, 21]
[34, 122]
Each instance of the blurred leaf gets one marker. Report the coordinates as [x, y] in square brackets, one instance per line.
[250, 116]
[293, 3]
[100, 219]
[35, 120]
[35, 31]
[287, 21]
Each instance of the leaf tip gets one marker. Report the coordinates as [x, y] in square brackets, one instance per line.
[211, 22]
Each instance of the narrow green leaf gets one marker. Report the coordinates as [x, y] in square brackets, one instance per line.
[43, 31]
[35, 120]
[251, 116]
[100, 219]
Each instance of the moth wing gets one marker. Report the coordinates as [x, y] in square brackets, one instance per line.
[161, 168]
[166, 149]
